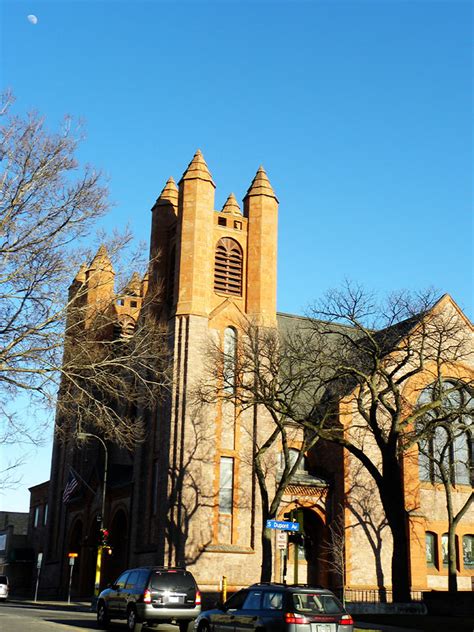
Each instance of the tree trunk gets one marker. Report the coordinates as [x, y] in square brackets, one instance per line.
[267, 555]
[393, 501]
[452, 570]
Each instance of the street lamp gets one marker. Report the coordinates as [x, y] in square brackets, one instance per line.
[84, 436]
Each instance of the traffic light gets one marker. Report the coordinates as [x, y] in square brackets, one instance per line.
[104, 537]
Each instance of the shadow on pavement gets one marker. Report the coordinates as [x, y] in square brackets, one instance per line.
[74, 623]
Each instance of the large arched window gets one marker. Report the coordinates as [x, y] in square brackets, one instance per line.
[446, 434]
[228, 267]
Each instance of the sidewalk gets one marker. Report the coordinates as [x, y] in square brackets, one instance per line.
[74, 606]
[407, 623]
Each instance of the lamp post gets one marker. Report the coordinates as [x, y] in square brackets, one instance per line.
[85, 436]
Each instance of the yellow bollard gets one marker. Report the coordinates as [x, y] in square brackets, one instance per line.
[224, 588]
[97, 571]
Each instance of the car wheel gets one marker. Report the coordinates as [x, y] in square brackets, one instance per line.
[102, 616]
[132, 619]
[184, 626]
[204, 627]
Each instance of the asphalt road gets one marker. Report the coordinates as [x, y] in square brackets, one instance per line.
[21, 618]
[17, 617]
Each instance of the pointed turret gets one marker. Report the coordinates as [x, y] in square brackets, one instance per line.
[261, 185]
[133, 287]
[261, 209]
[194, 262]
[100, 280]
[79, 280]
[163, 229]
[198, 169]
[169, 195]
[101, 261]
[231, 206]
[81, 274]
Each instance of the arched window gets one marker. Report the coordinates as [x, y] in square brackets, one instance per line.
[230, 357]
[124, 328]
[468, 551]
[228, 267]
[431, 548]
[293, 455]
[445, 447]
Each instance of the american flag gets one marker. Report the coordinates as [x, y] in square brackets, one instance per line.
[71, 485]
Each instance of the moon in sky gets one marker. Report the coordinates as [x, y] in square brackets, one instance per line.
[32, 19]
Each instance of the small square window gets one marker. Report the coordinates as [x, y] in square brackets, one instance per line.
[133, 303]
[120, 301]
[222, 221]
[238, 225]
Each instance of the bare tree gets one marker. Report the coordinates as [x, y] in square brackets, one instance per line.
[334, 551]
[266, 377]
[373, 351]
[444, 439]
[49, 205]
[358, 354]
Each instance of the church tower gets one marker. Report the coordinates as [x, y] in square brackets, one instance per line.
[212, 269]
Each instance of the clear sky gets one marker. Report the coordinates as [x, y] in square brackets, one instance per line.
[360, 111]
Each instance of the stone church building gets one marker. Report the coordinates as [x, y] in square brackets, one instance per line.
[188, 494]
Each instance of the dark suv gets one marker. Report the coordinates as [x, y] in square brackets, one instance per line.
[151, 594]
[278, 608]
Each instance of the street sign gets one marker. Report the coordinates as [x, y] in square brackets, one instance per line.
[282, 525]
[39, 560]
[281, 540]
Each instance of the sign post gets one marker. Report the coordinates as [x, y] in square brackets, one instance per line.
[72, 559]
[38, 568]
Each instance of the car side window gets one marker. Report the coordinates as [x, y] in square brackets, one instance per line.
[272, 600]
[236, 601]
[120, 583]
[132, 580]
[143, 577]
[253, 600]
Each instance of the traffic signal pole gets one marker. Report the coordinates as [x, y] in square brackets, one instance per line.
[98, 565]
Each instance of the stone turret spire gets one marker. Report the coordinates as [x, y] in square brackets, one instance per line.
[198, 169]
[81, 274]
[133, 287]
[101, 261]
[169, 194]
[261, 185]
[231, 206]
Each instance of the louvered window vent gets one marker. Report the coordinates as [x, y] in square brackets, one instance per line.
[228, 267]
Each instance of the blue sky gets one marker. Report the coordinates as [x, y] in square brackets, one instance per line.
[360, 111]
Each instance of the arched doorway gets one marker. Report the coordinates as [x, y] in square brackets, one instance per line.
[315, 552]
[75, 545]
[306, 554]
[115, 563]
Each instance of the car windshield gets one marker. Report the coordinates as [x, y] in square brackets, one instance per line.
[174, 582]
[314, 603]
[3, 579]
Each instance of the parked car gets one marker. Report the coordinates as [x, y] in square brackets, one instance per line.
[277, 608]
[4, 587]
[151, 594]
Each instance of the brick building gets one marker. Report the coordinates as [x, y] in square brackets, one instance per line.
[188, 494]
